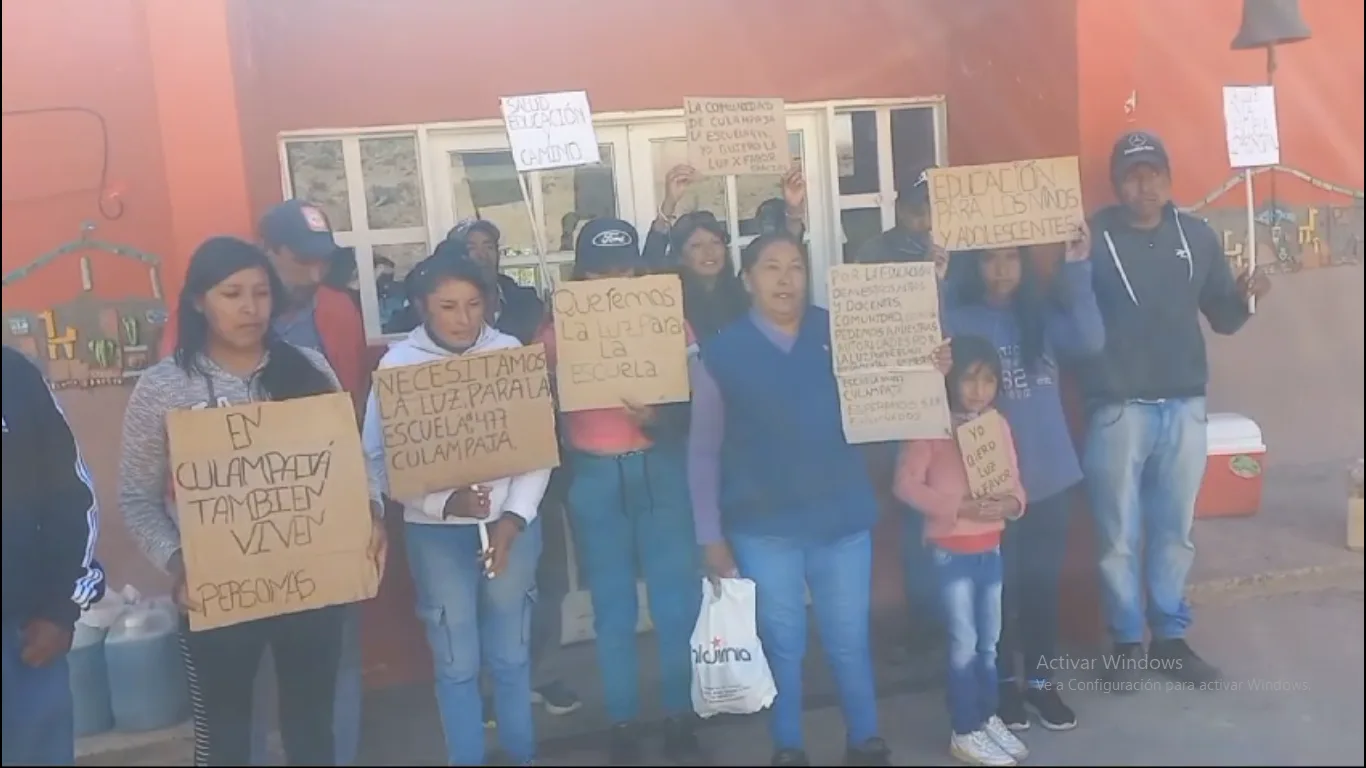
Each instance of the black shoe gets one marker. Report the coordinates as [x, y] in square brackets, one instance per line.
[623, 744]
[1175, 659]
[557, 698]
[1011, 707]
[790, 757]
[871, 752]
[1125, 668]
[680, 741]
[1048, 705]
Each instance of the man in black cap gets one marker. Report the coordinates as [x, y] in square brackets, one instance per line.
[1156, 271]
[519, 310]
[909, 240]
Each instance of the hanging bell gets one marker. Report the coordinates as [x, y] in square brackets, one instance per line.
[1270, 22]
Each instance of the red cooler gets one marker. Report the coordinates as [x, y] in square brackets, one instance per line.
[1233, 471]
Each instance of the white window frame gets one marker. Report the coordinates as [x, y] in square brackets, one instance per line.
[824, 201]
[361, 237]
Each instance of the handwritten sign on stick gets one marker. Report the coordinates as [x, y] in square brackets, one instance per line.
[1250, 122]
[620, 339]
[893, 405]
[737, 136]
[466, 419]
[550, 130]
[1028, 202]
[884, 316]
[273, 509]
[986, 456]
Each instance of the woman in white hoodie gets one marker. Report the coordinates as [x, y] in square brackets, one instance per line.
[475, 605]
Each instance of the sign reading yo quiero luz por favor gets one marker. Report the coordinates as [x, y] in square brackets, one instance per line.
[737, 136]
[620, 339]
[1028, 202]
[884, 316]
[465, 420]
[986, 455]
[879, 406]
[273, 508]
[550, 130]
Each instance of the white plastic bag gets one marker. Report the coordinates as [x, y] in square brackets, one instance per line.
[730, 674]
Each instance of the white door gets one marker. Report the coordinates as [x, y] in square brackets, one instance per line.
[473, 176]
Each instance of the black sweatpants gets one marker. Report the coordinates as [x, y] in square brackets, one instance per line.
[1033, 549]
[221, 666]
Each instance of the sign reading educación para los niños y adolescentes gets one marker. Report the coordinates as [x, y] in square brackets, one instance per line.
[550, 130]
[984, 445]
[1002, 205]
[737, 136]
[273, 508]
[466, 419]
[620, 339]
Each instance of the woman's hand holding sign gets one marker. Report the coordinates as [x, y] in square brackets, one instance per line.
[470, 502]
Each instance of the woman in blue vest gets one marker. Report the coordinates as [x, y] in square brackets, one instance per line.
[777, 489]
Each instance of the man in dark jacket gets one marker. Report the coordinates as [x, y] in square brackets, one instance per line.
[909, 240]
[50, 573]
[1156, 271]
[519, 310]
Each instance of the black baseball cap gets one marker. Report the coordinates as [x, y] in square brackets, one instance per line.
[301, 227]
[918, 194]
[606, 244]
[1137, 148]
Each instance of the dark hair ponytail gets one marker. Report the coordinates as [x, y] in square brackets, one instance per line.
[288, 374]
[1030, 304]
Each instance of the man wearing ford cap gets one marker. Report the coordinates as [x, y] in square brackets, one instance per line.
[1156, 270]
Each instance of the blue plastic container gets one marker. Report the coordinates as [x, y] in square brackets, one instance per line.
[91, 709]
[146, 672]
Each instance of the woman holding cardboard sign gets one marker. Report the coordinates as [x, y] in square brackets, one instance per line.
[1035, 326]
[780, 497]
[628, 506]
[472, 551]
[226, 354]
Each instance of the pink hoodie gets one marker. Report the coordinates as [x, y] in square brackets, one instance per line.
[931, 478]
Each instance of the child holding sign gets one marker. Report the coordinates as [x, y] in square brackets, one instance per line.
[1034, 325]
[472, 550]
[629, 510]
[964, 535]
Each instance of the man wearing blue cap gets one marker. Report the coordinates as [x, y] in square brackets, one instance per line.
[1157, 270]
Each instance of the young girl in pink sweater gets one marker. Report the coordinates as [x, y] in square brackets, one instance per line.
[964, 538]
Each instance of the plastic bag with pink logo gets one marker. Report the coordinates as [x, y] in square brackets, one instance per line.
[730, 674]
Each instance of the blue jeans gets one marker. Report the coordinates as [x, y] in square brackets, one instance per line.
[840, 575]
[922, 596]
[1144, 464]
[37, 708]
[1032, 551]
[350, 689]
[470, 618]
[970, 591]
[629, 514]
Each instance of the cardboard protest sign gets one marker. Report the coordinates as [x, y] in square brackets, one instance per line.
[737, 136]
[1250, 123]
[883, 316]
[620, 339]
[893, 405]
[466, 419]
[986, 455]
[550, 130]
[274, 512]
[1027, 202]
[884, 329]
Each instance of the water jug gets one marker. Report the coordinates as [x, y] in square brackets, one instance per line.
[91, 709]
[146, 672]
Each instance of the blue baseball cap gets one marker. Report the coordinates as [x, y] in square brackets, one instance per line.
[301, 227]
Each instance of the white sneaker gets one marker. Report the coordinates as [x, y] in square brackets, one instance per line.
[977, 748]
[1005, 739]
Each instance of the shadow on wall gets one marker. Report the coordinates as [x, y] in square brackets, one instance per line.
[1296, 368]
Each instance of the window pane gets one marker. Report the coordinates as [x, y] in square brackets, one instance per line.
[860, 225]
[317, 173]
[708, 193]
[754, 191]
[393, 189]
[912, 144]
[531, 275]
[856, 152]
[484, 184]
[392, 264]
